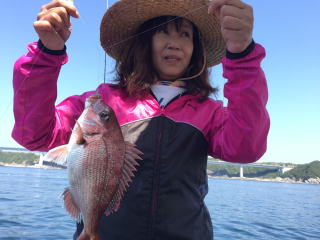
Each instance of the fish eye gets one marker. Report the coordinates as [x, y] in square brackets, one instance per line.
[104, 116]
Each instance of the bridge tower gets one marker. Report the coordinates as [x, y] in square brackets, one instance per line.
[40, 163]
[241, 170]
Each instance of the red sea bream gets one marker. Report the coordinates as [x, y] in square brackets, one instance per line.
[100, 165]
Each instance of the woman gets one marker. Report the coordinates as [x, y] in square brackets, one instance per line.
[161, 101]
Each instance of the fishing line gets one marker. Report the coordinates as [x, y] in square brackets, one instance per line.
[115, 44]
[105, 57]
[150, 29]
[105, 68]
[110, 47]
[121, 42]
[24, 79]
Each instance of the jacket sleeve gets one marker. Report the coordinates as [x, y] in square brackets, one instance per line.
[239, 131]
[39, 125]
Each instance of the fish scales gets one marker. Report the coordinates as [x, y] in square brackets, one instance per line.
[87, 176]
[100, 166]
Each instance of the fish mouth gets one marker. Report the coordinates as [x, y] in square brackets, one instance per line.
[89, 122]
[90, 134]
[89, 128]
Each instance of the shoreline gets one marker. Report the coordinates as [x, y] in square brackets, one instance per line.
[313, 181]
[26, 166]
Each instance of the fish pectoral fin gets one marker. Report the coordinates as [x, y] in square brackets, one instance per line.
[70, 205]
[56, 155]
[128, 169]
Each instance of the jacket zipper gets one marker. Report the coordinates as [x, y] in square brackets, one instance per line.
[156, 179]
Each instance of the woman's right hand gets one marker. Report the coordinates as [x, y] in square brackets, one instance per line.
[53, 24]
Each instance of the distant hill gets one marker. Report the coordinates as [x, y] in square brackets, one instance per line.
[299, 172]
[304, 171]
[234, 171]
[18, 158]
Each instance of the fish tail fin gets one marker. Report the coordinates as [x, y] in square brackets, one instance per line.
[70, 205]
[128, 169]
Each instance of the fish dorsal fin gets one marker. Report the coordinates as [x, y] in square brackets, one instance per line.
[57, 155]
[70, 205]
[128, 169]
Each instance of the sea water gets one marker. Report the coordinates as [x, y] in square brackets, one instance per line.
[31, 208]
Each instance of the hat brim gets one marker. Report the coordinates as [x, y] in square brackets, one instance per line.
[121, 21]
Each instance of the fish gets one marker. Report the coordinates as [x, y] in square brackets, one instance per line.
[100, 165]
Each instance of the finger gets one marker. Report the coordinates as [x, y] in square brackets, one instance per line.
[231, 23]
[43, 26]
[64, 33]
[59, 13]
[55, 20]
[235, 36]
[63, 14]
[228, 10]
[68, 5]
[215, 5]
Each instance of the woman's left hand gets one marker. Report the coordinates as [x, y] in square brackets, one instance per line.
[236, 19]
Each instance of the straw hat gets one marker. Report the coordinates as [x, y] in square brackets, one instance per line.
[121, 21]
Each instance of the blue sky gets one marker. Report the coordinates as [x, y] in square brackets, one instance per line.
[289, 30]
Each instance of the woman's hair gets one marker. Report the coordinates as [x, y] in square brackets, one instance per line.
[135, 70]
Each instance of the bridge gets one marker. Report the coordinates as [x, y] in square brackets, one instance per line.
[13, 149]
[41, 155]
[281, 169]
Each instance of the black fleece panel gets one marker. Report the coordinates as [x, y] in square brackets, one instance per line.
[165, 200]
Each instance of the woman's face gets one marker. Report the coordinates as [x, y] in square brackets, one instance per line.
[172, 50]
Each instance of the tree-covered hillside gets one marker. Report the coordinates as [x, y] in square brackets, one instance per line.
[18, 158]
[234, 171]
[299, 172]
[304, 171]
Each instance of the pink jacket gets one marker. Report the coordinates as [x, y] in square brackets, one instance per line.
[236, 133]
